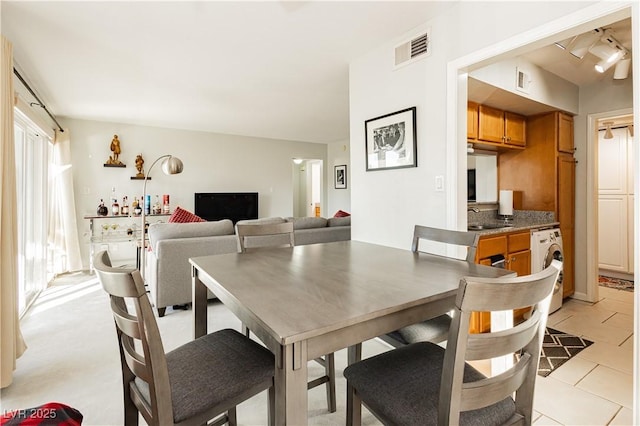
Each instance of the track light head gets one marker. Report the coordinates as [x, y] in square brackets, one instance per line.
[608, 134]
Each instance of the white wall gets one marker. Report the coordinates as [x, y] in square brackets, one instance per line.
[389, 203]
[212, 163]
[544, 87]
[607, 95]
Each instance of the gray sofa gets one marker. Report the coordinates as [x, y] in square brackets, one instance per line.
[168, 273]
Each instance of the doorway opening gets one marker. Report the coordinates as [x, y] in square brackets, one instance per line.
[308, 187]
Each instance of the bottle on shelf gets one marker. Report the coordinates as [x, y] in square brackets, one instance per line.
[156, 206]
[124, 210]
[165, 204]
[115, 207]
[147, 204]
[102, 209]
[137, 210]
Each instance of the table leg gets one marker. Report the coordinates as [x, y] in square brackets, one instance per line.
[291, 385]
[354, 354]
[199, 300]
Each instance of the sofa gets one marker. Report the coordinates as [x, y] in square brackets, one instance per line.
[168, 272]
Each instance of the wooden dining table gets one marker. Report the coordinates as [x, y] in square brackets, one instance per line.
[307, 301]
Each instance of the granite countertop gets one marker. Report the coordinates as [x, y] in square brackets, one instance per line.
[523, 220]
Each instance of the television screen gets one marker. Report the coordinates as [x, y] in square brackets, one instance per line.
[226, 205]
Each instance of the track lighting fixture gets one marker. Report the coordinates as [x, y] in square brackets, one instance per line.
[604, 45]
[630, 128]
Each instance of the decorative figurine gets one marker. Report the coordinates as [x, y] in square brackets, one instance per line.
[139, 164]
[115, 148]
[102, 209]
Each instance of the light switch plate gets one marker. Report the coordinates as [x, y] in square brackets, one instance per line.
[439, 183]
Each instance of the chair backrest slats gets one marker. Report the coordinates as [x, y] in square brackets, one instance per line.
[491, 345]
[135, 361]
[264, 235]
[126, 322]
[445, 236]
[524, 339]
[489, 391]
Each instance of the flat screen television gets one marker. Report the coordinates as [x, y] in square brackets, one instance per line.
[226, 205]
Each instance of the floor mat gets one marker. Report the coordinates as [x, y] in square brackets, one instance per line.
[557, 348]
[617, 283]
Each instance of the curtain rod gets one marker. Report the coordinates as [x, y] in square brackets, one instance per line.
[15, 71]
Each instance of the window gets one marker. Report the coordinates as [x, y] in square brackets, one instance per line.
[33, 150]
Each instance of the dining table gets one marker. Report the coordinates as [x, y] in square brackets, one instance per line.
[306, 301]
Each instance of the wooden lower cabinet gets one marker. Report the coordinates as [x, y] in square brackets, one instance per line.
[516, 249]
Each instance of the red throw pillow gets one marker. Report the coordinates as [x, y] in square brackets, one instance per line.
[180, 215]
[341, 213]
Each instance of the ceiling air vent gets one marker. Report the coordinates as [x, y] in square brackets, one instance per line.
[416, 48]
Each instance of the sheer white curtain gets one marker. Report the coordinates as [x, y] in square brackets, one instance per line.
[11, 342]
[64, 245]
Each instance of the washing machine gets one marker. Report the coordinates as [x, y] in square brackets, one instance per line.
[546, 245]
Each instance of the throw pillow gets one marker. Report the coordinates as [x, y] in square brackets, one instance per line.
[341, 213]
[181, 215]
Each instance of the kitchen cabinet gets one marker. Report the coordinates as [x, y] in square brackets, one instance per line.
[472, 121]
[501, 127]
[545, 174]
[515, 247]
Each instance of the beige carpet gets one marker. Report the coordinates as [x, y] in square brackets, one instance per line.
[72, 357]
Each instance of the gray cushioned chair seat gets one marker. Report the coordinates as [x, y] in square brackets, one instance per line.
[402, 386]
[434, 330]
[215, 368]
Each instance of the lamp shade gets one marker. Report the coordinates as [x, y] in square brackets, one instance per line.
[172, 166]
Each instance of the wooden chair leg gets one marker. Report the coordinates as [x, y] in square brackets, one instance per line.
[231, 415]
[131, 414]
[354, 407]
[271, 410]
[330, 371]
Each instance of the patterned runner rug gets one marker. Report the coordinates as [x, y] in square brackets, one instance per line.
[617, 283]
[557, 348]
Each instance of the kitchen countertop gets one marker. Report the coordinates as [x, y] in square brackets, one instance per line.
[522, 220]
[515, 227]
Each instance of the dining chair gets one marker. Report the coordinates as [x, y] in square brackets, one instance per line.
[423, 383]
[253, 235]
[259, 236]
[201, 380]
[436, 329]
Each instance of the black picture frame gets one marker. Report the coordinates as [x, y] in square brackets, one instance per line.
[340, 177]
[390, 141]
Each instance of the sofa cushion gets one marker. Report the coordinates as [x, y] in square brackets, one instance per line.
[163, 231]
[307, 222]
[339, 221]
[181, 215]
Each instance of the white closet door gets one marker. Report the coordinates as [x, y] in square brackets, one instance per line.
[612, 162]
[613, 233]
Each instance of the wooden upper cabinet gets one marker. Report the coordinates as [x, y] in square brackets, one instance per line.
[490, 124]
[501, 127]
[565, 133]
[472, 120]
[515, 129]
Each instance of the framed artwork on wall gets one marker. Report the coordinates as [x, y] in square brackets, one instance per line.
[340, 177]
[391, 141]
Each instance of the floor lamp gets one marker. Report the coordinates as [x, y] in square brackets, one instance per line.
[170, 166]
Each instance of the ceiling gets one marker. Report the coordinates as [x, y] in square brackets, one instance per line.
[272, 69]
[580, 72]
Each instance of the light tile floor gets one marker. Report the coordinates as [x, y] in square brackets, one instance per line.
[596, 386]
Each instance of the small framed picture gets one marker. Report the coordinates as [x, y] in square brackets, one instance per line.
[391, 140]
[340, 177]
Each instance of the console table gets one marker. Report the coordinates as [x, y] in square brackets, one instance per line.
[117, 229]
